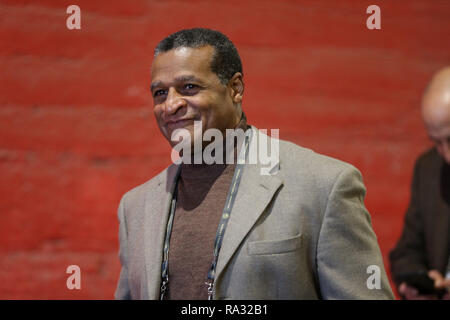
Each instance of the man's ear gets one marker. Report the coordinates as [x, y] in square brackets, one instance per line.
[236, 85]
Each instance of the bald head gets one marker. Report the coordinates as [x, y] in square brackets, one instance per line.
[436, 111]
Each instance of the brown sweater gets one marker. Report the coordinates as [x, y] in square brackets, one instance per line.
[202, 192]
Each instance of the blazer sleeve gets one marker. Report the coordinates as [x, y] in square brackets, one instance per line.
[409, 253]
[122, 290]
[349, 260]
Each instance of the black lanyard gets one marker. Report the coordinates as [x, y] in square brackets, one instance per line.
[232, 192]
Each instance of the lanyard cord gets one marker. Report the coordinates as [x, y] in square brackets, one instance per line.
[219, 234]
[165, 264]
[222, 227]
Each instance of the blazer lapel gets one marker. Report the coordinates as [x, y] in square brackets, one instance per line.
[254, 194]
[157, 207]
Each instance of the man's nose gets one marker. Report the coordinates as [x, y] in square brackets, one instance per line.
[174, 102]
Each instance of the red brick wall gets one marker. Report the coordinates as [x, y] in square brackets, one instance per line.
[77, 130]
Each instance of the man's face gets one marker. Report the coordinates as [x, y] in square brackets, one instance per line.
[440, 135]
[437, 122]
[185, 90]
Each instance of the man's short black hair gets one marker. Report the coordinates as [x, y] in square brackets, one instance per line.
[226, 61]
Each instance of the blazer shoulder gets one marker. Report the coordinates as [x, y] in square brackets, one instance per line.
[306, 161]
[293, 155]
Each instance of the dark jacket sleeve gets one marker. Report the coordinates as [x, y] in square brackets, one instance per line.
[122, 290]
[409, 254]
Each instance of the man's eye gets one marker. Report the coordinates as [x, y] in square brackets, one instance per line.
[159, 93]
[189, 86]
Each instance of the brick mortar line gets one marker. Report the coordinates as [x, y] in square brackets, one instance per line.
[61, 11]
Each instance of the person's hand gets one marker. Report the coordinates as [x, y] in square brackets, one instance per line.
[440, 282]
[411, 293]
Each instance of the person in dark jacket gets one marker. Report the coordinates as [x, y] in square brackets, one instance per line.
[425, 241]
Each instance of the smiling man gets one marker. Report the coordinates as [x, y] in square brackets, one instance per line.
[225, 230]
[185, 89]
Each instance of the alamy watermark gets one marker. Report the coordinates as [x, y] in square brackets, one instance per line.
[190, 148]
[374, 20]
[74, 280]
[374, 280]
[74, 20]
